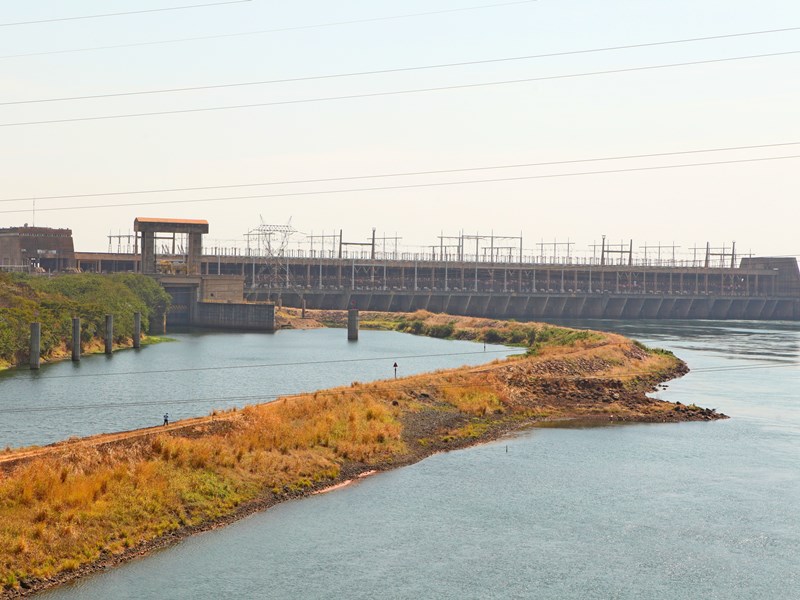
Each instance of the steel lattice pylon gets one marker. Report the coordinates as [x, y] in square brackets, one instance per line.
[268, 243]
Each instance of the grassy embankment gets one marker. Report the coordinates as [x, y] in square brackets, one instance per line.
[97, 502]
[53, 301]
[534, 336]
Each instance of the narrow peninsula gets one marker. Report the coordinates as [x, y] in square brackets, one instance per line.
[84, 505]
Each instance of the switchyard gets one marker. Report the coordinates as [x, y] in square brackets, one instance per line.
[476, 275]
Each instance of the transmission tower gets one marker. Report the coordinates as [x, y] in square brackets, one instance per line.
[267, 244]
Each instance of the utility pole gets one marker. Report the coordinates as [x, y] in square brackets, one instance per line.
[556, 245]
[658, 248]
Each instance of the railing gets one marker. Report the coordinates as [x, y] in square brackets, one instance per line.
[448, 258]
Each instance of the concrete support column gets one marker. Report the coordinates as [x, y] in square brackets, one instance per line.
[109, 334]
[194, 253]
[303, 309]
[137, 330]
[148, 252]
[36, 345]
[352, 324]
[76, 339]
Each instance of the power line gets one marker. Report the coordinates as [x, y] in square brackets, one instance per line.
[143, 403]
[331, 391]
[402, 174]
[384, 71]
[403, 187]
[120, 14]
[287, 364]
[268, 31]
[395, 92]
[367, 388]
[745, 367]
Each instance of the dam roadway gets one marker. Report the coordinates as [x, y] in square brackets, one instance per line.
[765, 288]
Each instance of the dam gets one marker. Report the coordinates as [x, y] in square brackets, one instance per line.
[495, 281]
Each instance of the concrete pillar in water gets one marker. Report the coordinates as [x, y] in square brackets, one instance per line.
[36, 344]
[137, 330]
[109, 334]
[352, 324]
[76, 339]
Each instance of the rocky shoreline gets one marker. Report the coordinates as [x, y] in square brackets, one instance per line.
[604, 382]
[350, 472]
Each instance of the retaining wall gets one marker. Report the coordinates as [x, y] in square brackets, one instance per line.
[219, 315]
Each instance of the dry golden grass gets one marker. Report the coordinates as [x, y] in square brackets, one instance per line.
[56, 511]
[85, 501]
[477, 399]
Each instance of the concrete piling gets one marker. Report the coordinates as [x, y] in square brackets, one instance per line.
[352, 324]
[137, 330]
[36, 345]
[109, 334]
[76, 339]
[303, 313]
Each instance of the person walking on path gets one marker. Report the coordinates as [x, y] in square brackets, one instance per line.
[166, 418]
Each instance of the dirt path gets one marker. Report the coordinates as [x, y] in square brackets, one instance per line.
[17, 457]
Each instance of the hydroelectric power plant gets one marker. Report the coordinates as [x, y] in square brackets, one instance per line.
[466, 274]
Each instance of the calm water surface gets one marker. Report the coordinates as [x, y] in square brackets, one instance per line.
[206, 371]
[686, 511]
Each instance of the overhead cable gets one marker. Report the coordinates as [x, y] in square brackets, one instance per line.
[401, 174]
[120, 14]
[402, 187]
[282, 365]
[394, 92]
[268, 31]
[368, 388]
[378, 71]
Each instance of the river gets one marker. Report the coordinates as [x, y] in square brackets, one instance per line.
[670, 511]
[203, 371]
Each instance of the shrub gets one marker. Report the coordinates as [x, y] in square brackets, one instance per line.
[517, 336]
[53, 301]
[416, 327]
[492, 336]
[441, 331]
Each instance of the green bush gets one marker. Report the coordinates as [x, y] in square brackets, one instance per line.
[559, 336]
[441, 331]
[53, 301]
[492, 336]
[416, 327]
[517, 336]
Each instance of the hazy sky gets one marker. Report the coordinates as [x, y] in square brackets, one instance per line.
[717, 105]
